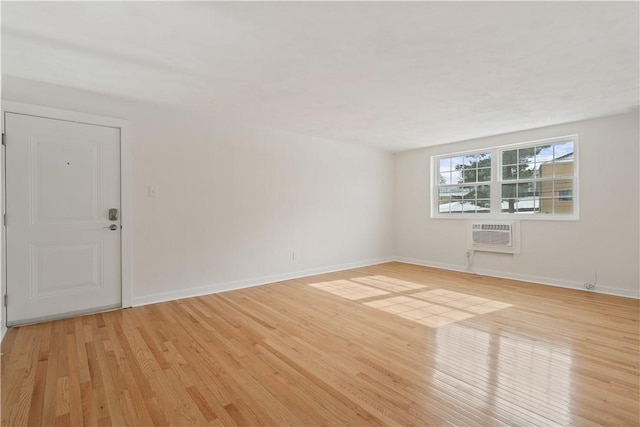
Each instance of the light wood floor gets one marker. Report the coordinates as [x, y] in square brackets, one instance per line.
[392, 344]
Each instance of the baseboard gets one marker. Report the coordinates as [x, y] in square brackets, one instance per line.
[525, 278]
[241, 284]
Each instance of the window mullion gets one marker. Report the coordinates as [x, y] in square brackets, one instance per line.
[496, 182]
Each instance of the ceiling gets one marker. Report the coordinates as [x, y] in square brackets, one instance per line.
[392, 75]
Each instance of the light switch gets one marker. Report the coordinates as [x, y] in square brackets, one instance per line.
[153, 191]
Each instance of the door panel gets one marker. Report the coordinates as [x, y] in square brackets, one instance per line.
[66, 268]
[61, 180]
[70, 165]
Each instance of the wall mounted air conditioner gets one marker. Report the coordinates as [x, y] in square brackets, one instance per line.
[494, 236]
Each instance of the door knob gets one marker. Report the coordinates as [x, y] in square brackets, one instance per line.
[112, 227]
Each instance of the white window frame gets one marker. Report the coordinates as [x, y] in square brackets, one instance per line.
[497, 181]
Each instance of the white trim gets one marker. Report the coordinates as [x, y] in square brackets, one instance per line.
[546, 281]
[3, 245]
[265, 280]
[258, 281]
[126, 220]
[125, 180]
[497, 181]
[66, 315]
[56, 113]
[507, 217]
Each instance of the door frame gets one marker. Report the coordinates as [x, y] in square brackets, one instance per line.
[125, 191]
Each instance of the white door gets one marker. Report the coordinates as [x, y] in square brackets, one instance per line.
[63, 249]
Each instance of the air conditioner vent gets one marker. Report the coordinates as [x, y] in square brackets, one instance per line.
[500, 227]
[493, 236]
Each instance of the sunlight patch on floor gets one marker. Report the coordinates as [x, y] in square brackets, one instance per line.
[388, 283]
[348, 289]
[433, 308]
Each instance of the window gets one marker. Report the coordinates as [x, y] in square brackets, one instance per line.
[536, 178]
[565, 195]
[465, 184]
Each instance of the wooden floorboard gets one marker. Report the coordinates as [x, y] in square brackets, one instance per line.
[392, 344]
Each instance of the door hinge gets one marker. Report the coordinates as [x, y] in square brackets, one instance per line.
[4, 139]
[4, 219]
[5, 299]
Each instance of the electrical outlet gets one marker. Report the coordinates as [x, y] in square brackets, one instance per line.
[592, 286]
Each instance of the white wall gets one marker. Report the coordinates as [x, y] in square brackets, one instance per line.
[235, 203]
[564, 253]
[233, 207]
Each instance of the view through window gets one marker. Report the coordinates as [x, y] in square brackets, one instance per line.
[530, 178]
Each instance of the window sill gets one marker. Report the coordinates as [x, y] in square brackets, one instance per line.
[507, 217]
